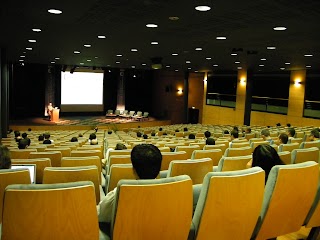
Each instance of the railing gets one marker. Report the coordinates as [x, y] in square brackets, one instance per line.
[271, 105]
[311, 109]
[222, 100]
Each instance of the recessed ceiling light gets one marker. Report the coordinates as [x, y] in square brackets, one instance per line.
[108, 66]
[198, 49]
[174, 54]
[81, 63]
[221, 38]
[203, 8]
[154, 43]
[174, 18]
[308, 66]
[29, 48]
[21, 60]
[87, 45]
[56, 58]
[36, 29]
[189, 68]
[308, 55]
[88, 60]
[176, 70]
[117, 62]
[234, 54]
[208, 58]
[133, 66]
[287, 63]
[134, 50]
[76, 52]
[101, 36]
[95, 57]
[143, 64]
[53, 62]
[24, 52]
[237, 62]
[239, 68]
[261, 65]
[271, 48]
[215, 65]
[263, 59]
[188, 61]
[54, 11]
[196, 71]
[151, 25]
[168, 66]
[32, 40]
[22, 56]
[279, 28]
[119, 55]
[282, 68]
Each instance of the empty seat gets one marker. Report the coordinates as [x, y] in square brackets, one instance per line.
[305, 154]
[233, 163]
[214, 154]
[243, 151]
[55, 157]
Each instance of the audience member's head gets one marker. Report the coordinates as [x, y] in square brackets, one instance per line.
[248, 130]
[265, 156]
[23, 144]
[17, 133]
[177, 130]
[288, 125]
[236, 128]
[314, 135]
[283, 138]
[192, 136]
[278, 124]
[160, 129]
[139, 134]
[291, 132]
[164, 134]
[234, 134]
[92, 136]
[146, 161]
[9, 131]
[46, 135]
[265, 133]
[210, 141]
[74, 139]
[120, 146]
[80, 135]
[153, 134]
[109, 131]
[226, 132]
[24, 135]
[5, 159]
[41, 137]
[145, 136]
[185, 129]
[207, 134]
[29, 129]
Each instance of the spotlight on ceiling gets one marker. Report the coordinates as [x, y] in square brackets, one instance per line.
[73, 69]
[203, 5]
[156, 63]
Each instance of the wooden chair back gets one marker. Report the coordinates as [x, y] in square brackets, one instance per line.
[167, 157]
[55, 157]
[214, 154]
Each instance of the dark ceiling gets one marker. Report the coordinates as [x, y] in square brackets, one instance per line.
[248, 26]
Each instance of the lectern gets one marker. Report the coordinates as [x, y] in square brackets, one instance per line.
[55, 115]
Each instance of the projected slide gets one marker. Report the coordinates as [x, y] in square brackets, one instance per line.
[81, 92]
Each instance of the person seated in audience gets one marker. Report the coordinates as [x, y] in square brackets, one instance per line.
[41, 138]
[23, 144]
[288, 125]
[5, 159]
[191, 136]
[47, 139]
[120, 146]
[278, 124]
[226, 132]
[185, 129]
[265, 156]
[248, 130]
[153, 134]
[210, 141]
[92, 136]
[80, 135]
[265, 134]
[17, 136]
[25, 136]
[165, 134]
[145, 136]
[314, 135]
[291, 132]
[29, 129]
[74, 139]
[283, 138]
[234, 135]
[139, 134]
[146, 162]
[109, 132]
[207, 134]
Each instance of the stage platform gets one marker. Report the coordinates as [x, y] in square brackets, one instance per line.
[85, 123]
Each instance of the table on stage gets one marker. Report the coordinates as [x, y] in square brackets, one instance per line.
[55, 115]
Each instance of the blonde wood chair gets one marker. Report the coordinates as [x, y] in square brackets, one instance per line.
[287, 200]
[229, 205]
[117, 159]
[84, 161]
[296, 140]
[285, 156]
[188, 149]
[233, 163]
[86, 153]
[239, 144]
[313, 218]
[41, 164]
[214, 154]
[40, 148]
[164, 149]
[196, 169]
[310, 144]
[12, 176]
[55, 157]
[167, 157]
[288, 147]
[70, 212]
[21, 153]
[305, 154]
[74, 174]
[223, 147]
[169, 211]
[118, 172]
[233, 152]
[200, 144]
[65, 151]
[249, 136]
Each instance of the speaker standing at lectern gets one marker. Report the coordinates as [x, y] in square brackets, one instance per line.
[50, 110]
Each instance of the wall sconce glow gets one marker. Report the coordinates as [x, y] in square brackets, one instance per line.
[243, 81]
[297, 82]
[180, 91]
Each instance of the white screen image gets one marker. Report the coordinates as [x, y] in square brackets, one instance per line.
[81, 91]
